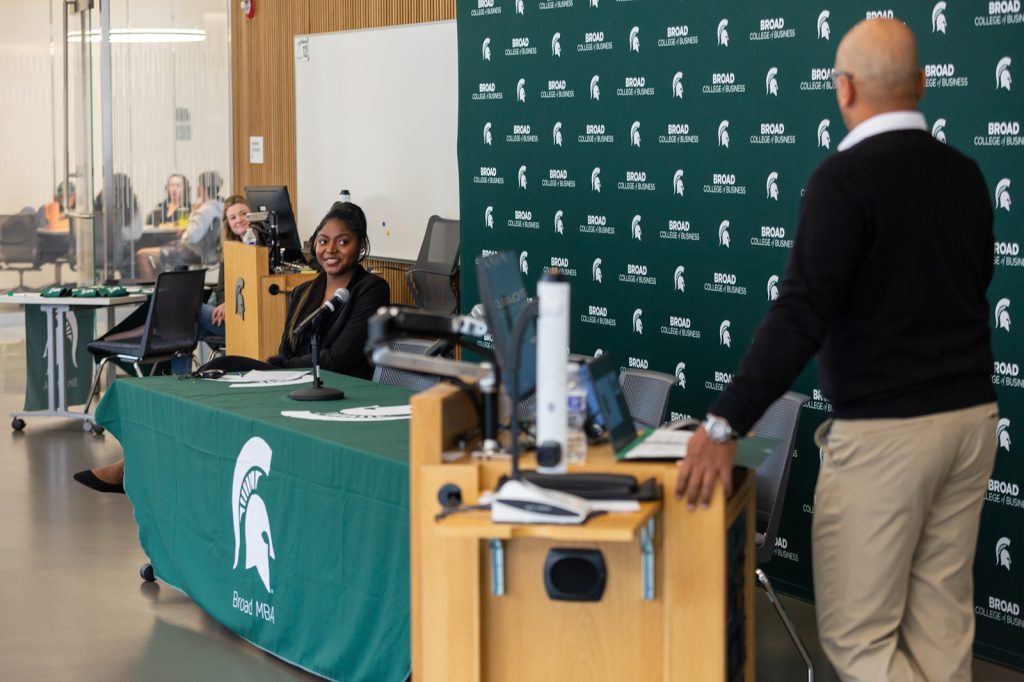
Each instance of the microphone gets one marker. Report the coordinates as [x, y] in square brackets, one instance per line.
[313, 321]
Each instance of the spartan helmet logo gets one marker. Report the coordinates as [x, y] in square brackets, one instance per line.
[593, 3]
[634, 134]
[595, 271]
[71, 333]
[824, 31]
[487, 133]
[556, 45]
[1003, 78]
[634, 39]
[1003, 433]
[524, 267]
[679, 282]
[723, 134]
[249, 511]
[681, 374]
[677, 85]
[772, 186]
[723, 234]
[559, 227]
[635, 229]
[489, 217]
[486, 49]
[724, 337]
[595, 90]
[638, 323]
[556, 134]
[773, 288]
[938, 18]
[521, 90]
[771, 83]
[723, 34]
[519, 7]
[939, 129]
[598, 352]
[522, 177]
[1003, 553]
[824, 138]
[677, 183]
[595, 180]
[1003, 194]
[1003, 314]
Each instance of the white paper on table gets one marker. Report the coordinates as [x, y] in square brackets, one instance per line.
[270, 376]
[305, 379]
[662, 443]
[370, 413]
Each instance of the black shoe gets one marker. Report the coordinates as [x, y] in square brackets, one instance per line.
[89, 480]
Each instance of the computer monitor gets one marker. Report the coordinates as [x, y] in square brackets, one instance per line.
[276, 199]
[504, 296]
[606, 402]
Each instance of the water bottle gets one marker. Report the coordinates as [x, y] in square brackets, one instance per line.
[250, 238]
[576, 416]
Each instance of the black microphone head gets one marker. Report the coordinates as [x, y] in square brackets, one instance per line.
[342, 295]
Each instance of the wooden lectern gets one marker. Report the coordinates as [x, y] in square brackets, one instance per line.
[254, 318]
[678, 600]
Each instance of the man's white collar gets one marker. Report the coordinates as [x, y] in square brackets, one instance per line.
[883, 123]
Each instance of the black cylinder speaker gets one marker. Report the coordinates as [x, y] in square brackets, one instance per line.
[574, 574]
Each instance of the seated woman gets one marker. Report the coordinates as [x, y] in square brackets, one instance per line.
[233, 229]
[175, 206]
[339, 244]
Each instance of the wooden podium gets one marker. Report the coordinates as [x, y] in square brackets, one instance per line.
[481, 613]
[254, 329]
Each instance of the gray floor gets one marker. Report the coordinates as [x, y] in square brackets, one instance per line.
[75, 609]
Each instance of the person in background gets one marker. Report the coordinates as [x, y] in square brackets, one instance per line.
[127, 222]
[234, 228]
[52, 215]
[885, 283]
[175, 206]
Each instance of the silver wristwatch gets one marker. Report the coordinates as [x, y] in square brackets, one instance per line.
[718, 429]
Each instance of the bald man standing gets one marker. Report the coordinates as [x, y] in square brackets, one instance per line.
[886, 285]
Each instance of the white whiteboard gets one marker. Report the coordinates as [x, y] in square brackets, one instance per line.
[376, 113]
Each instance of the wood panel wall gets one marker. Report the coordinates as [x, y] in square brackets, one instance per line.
[263, 71]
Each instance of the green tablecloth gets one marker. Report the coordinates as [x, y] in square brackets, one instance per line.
[318, 511]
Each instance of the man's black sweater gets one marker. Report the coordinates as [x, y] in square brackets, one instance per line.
[886, 283]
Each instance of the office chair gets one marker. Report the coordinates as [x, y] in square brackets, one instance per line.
[779, 421]
[171, 327]
[433, 281]
[19, 247]
[389, 376]
[646, 395]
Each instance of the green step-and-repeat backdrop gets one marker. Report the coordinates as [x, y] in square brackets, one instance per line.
[656, 152]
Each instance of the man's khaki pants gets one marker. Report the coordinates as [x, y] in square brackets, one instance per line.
[896, 515]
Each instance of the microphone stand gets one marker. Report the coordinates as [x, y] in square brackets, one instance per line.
[317, 391]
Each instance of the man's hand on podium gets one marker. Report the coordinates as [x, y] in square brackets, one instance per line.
[705, 462]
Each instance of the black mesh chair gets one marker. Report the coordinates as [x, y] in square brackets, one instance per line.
[646, 395]
[19, 247]
[779, 421]
[434, 281]
[171, 327]
[389, 376]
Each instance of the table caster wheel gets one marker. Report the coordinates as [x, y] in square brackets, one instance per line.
[87, 426]
[146, 573]
[17, 423]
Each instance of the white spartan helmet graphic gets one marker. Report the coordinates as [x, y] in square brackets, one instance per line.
[486, 49]
[771, 83]
[679, 282]
[1003, 553]
[723, 234]
[681, 374]
[559, 227]
[71, 333]
[521, 90]
[489, 217]
[939, 129]
[595, 91]
[519, 7]
[634, 134]
[723, 34]
[634, 39]
[1003, 314]
[677, 183]
[598, 352]
[635, 230]
[556, 45]
[595, 179]
[1003, 433]
[724, 337]
[556, 134]
[938, 18]
[1003, 194]
[487, 133]
[593, 3]
[522, 177]
[249, 511]
[723, 134]
[595, 270]
[773, 288]
[824, 138]
[772, 186]
[524, 267]
[1003, 79]
[638, 323]
[677, 85]
[823, 28]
